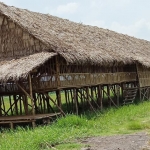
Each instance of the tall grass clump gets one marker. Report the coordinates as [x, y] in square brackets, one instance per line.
[72, 121]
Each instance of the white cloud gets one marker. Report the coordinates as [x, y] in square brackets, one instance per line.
[118, 3]
[68, 8]
[9, 2]
[111, 4]
[140, 28]
[128, 29]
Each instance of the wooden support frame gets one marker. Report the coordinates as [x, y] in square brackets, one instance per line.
[110, 99]
[30, 96]
[86, 98]
[100, 100]
[145, 93]
[55, 104]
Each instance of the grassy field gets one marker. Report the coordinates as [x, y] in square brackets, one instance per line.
[63, 133]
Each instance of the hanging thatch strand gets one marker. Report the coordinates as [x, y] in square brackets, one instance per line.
[76, 42]
[20, 68]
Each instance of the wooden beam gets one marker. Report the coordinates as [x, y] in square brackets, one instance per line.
[100, 100]
[138, 79]
[16, 106]
[24, 91]
[0, 107]
[85, 97]
[58, 95]
[75, 100]
[57, 72]
[55, 103]
[110, 98]
[31, 94]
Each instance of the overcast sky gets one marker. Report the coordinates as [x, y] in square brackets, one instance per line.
[130, 17]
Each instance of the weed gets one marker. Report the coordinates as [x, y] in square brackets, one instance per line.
[135, 126]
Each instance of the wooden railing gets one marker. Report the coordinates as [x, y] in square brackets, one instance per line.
[71, 80]
[144, 78]
[95, 78]
[45, 82]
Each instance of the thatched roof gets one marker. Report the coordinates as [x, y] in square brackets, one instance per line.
[16, 68]
[79, 43]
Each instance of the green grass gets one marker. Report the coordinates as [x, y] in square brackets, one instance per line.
[65, 133]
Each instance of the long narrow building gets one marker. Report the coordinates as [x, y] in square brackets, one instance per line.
[46, 61]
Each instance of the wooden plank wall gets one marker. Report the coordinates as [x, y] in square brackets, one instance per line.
[143, 75]
[14, 41]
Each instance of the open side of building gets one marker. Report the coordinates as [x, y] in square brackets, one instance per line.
[47, 62]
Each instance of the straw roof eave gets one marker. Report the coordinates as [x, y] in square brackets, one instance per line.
[20, 68]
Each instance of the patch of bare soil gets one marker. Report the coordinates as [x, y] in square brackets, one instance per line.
[138, 141]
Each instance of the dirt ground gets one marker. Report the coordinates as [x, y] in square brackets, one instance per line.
[138, 141]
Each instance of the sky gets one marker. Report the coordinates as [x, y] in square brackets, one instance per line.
[130, 17]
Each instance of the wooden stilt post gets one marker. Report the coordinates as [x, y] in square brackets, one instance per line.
[118, 94]
[31, 94]
[41, 105]
[0, 106]
[75, 100]
[2, 103]
[81, 99]
[138, 79]
[20, 105]
[11, 125]
[108, 92]
[122, 92]
[140, 93]
[96, 93]
[72, 104]
[32, 100]
[92, 95]
[35, 103]
[44, 104]
[58, 94]
[10, 105]
[103, 93]
[148, 93]
[25, 103]
[100, 102]
[16, 106]
[66, 98]
[87, 94]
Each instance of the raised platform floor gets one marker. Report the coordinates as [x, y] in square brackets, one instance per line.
[11, 120]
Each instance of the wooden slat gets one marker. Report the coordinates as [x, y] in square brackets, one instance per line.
[27, 117]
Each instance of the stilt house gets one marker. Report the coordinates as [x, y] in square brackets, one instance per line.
[42, 56]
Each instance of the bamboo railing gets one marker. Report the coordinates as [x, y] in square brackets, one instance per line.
[72, 80]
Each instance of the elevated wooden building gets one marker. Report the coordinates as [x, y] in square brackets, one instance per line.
[42, 56]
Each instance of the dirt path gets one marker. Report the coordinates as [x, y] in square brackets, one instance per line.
[138, 141]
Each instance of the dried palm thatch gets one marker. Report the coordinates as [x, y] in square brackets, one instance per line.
[22, 66]
[79, 43]
[76, 42]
